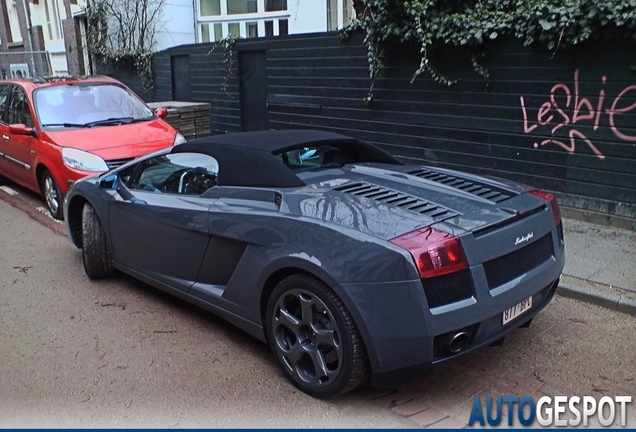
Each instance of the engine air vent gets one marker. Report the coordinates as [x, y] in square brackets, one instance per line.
[398, 199]
[474, 188]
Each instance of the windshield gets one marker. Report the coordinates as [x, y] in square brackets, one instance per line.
[87, 105]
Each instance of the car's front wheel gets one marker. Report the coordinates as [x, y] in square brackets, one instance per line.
[95, 253]
[52, 195]
[314, 338]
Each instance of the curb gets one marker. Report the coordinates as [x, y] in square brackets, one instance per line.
[599, 294]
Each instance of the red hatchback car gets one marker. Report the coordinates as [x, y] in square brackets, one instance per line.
[54, 131]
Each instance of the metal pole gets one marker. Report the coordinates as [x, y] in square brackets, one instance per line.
[27, 16]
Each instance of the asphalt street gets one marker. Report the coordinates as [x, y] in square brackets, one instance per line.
[118, 353]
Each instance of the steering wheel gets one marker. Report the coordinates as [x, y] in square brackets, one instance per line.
[196, 181]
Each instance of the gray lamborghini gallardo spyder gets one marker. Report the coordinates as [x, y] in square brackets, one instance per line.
[354, 267]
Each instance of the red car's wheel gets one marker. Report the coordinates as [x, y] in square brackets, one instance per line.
[52, 195]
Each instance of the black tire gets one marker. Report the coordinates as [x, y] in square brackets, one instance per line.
[95, 253]
[314, 338]
[52, 195]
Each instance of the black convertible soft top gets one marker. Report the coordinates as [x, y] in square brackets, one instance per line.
[249, 158]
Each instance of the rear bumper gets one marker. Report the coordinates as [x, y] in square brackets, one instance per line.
[481, 334]
[404, 337]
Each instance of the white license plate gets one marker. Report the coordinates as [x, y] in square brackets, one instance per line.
[516, 310]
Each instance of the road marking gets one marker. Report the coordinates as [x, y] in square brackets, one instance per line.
[8, 190]
[45, 212]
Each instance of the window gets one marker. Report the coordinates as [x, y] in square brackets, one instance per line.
[4, 97]
[19, 108]
[78, 105]
[179, 173]
[283, 29]
[322, 156]
[210, 7]
[252, 29]
[241, 6]
[13, 21]
[269, 28]
[332, 15]
[234, 29]
[275, 5]
[242, 18]
[52, 16]
[338, 14]
[211, 32]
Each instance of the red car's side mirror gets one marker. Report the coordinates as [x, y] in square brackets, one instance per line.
[20, 129]
[161, 112]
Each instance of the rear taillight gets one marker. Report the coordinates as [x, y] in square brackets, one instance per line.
[547, 196]
[435, 252]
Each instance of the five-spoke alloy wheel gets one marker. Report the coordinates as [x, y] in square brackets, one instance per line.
[314, 338]
[52, 195]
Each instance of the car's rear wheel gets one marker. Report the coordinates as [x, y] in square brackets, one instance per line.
[95, 253]
[314, 338]
[52, 195]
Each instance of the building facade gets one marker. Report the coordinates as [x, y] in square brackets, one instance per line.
[186, 22]
[48, 37]
[43, 37]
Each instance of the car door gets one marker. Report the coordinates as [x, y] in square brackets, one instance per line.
[237, 219]
[4, 130]
[158, 222]
[20, 149]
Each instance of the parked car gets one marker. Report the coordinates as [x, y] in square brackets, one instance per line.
[350, 264]
[55, 131]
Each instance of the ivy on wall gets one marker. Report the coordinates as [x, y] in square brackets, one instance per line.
[469, 24]
[227, 45]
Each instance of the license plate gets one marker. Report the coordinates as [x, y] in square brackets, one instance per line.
[516, 310]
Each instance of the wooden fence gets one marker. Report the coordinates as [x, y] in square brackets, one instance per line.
[564, 122]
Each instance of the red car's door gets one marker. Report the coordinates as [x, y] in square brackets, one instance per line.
[20, 148]
[4, 130]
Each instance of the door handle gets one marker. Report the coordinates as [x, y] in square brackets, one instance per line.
[5, 137]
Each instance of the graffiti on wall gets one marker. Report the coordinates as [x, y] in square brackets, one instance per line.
[567, 109]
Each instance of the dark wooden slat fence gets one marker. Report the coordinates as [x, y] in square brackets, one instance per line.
[565, 123]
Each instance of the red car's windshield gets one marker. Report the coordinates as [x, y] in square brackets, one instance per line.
[85, 105]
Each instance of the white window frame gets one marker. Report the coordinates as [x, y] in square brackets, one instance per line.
[341, 5]
[242, 19]
[53, 30]
[15, 29]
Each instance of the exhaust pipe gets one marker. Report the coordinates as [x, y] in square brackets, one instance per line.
[456, 342]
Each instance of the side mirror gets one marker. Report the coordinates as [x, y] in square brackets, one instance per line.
[161, 112]
[112, 182]
[21, 129]
[109, 182]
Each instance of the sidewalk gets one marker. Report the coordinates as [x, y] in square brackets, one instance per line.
[600, 265]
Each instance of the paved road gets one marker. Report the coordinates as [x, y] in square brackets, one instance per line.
[118, 353]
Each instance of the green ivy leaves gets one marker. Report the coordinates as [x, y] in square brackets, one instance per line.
[468, 24]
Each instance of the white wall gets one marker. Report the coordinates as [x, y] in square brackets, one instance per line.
[307, 16]
[176, 25]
